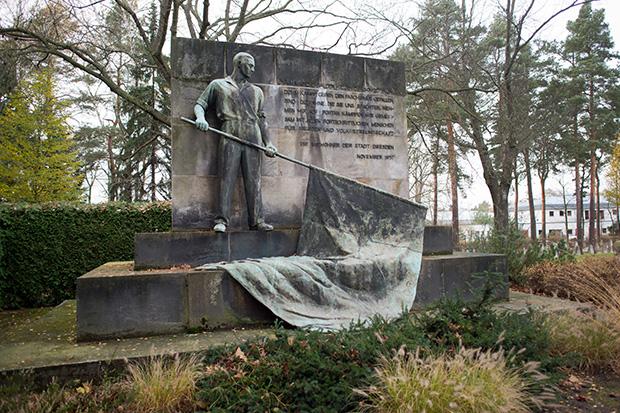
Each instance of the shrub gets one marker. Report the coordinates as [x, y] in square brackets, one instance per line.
[302, 370]
[595, 343]
[163, 385]
[453, 323]
[306, 371]
[45, 247]
[584, 279]
[470, 380]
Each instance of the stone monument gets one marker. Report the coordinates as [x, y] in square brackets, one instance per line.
[342, 113]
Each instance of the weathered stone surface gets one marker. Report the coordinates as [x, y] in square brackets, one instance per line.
[328, 110]
[346, 72]
[168, 249]
[129, 304]
[298, 67]
[216, 300]
[114, 301]
[460, 275]
[198, 60]
[387, 78]
[438, 240]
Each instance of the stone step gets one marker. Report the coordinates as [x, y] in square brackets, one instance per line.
[115, 301]
[193, 248]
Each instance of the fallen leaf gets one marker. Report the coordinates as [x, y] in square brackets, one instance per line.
[240, 354]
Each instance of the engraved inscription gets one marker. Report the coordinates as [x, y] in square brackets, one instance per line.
[335, 112]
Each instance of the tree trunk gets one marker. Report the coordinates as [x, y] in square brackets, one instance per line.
[592, 138]
[435, 180]
[453, 185]
[592, 221]
[516, 196]
[598, 207]
[565, 212]
[499, 195]
[530, 194]
[543, 211]
[578, 204]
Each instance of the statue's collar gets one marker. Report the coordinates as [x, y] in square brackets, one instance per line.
[230, 80]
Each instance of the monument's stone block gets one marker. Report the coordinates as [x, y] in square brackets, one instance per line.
[168, 249]
[116, 301]
[438, 240]
[217, 300]
[113, 301]
[343, 113]
[461, 275]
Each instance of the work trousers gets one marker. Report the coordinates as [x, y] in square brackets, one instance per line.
[233, 156]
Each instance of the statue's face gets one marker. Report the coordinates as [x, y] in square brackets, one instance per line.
[246, 66]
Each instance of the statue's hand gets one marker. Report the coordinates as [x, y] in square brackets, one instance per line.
[202, 124]
[271, 150]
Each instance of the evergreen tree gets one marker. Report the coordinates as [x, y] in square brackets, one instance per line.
[593, 84]
[37, 161]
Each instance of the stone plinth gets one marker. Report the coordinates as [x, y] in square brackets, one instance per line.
[167, 249]
[113, 301]
[116, 301]
[461, 274]
[193, 248]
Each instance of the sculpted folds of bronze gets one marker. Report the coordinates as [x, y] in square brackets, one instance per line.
[238, 104]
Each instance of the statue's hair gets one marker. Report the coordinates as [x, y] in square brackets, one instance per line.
[241, 55]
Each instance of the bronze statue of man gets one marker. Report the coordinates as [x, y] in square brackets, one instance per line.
[239, 106]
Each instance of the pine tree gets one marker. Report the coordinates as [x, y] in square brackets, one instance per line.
[595, 82]
[37, 161]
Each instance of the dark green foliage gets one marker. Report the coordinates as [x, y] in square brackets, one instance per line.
[303, 370]
[309, 371]
[452, 324]
[44, 248]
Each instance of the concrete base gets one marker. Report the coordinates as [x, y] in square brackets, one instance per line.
[193, 248]
[461, 275]
[168, 249]
[116, 301]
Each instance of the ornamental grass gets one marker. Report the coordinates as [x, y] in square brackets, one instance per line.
[163, 384]
[470, 380]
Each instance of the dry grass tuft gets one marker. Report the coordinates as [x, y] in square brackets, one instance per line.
[575, 280]
[471, 380]
[163, 385]
[595, 341]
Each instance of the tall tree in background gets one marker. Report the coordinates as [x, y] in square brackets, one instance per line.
[612, 193]
[37, 162]
[433, 58]
[595, 83]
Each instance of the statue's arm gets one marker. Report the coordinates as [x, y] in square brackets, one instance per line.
[201, 122]
[205, 100]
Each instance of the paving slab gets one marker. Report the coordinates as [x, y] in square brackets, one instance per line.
[522, 302]
[46, 343]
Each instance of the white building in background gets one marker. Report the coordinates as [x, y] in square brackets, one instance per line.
[562, 216]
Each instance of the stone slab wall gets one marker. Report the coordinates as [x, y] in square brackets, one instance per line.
[342, 113]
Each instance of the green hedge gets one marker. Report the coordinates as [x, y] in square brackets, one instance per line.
[45, 247]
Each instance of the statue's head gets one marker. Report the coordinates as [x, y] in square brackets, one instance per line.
[244, 63]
